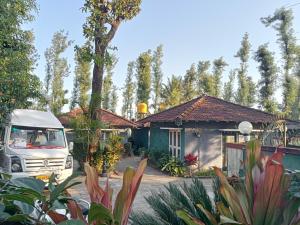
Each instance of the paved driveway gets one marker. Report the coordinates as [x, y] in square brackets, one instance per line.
[153, 180]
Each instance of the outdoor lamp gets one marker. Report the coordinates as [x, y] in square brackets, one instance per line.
[245, 129]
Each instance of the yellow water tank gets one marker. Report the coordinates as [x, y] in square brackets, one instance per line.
[162, 106]
[142, 108]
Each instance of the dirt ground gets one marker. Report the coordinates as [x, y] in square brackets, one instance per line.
[153, 180]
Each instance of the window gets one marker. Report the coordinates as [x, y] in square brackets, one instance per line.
[36, 138]
[174, 143]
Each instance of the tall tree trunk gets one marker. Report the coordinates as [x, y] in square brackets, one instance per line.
[96, 96]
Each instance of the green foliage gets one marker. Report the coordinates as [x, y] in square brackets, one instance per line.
[157, 77]
[19, 199]
[172, 92]
[128, 93]
[155, 156]
[114, 99]
[261, 198]
[173, 165]
[143, 76]
[102, 23]
[19, 87]
[101, 211]
[282, 21]
[218, 69]
[165, 203]
[189, 83]
[228, 92]
[109, 152]
[80, 153]
[268, 71]
[82, 80]
[246, 87]
[56, 69]
[205, 173]
[205, 83]
[109, 100]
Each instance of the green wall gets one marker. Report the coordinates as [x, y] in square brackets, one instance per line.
[140, 137]
[159, 138]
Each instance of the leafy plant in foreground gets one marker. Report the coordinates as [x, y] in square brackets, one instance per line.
[165, 203]
[261, 199]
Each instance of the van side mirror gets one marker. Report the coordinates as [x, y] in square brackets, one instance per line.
[71, 146]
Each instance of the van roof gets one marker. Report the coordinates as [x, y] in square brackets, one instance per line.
[34, 118]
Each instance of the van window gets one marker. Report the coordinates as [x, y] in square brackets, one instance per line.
[36, 138]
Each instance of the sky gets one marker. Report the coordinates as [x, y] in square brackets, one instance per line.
[189, 31]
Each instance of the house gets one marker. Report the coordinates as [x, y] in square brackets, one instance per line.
[201, 127]
[112, 121]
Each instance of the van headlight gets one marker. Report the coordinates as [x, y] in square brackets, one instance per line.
[69, 162]
[16, 165]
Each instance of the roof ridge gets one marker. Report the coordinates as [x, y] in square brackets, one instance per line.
[198, 102]
[173, 107]
[121, 117]
[242, 106]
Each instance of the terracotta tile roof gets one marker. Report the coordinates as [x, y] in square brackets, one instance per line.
[208, 108]
[109, 118]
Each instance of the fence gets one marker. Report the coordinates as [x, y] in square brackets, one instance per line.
[235, 155]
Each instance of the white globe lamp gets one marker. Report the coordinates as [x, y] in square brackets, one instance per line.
[245, 128]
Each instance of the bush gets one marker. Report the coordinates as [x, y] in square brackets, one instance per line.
[80, 153]
[174, 166]
[139, 151]
[109, 152]
[128, 151]
[165, 202]
[205, 173]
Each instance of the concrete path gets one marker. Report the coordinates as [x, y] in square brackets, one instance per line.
[153, 180]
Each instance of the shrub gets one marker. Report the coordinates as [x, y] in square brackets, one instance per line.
[79, 153]
[174, 166]
[166, 202]
[260, 199]
[205, 173]
[24, 202]
[139, 151]
[109, 152]
[190, 159]
[128, 151]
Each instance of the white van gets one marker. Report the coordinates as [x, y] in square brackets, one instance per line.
[33, 143]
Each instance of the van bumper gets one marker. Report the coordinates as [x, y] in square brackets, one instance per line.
[60, 175]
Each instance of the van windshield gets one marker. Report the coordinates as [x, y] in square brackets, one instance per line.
[36, 138]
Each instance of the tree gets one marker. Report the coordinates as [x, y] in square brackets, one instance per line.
[243, 95]
[218, 69]
[102, 23]
[228, 93]
[19, 87]
[128, 92]
[100, 28]
[143, 76]
[82, 80]
[282, 21]
[268, 71]
[56, 69]
[157, 76]
[172, 91]
[206, 81]
[75, 93]
[108, 83]
[189, 83]
[114, 99]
